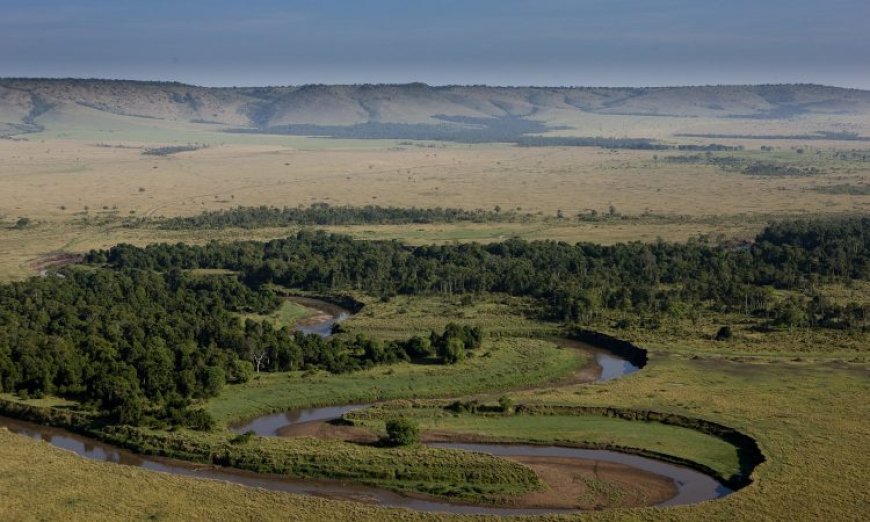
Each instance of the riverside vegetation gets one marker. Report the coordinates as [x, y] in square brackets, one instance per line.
[779, 283]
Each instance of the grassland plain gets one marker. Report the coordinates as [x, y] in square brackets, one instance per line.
[41, 177]
[501, 364]
[685, 332]
[669, 440]
[286, 315]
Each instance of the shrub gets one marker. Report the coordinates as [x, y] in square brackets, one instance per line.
[452, 351]
[402, 432]
[193, 418]
[506, 404]
[419, 347]
[243, 438]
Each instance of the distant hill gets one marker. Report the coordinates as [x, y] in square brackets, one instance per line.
[411, 110]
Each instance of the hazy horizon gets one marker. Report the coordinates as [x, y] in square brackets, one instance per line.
[443, 85]
[624, 43]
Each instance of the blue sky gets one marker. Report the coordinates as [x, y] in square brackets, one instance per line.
[503, 42]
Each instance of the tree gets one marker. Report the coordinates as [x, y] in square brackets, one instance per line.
[506, 404]
[402, 432]
[418, 347]
[452, 351]
[724, 333]
[789, 314]
[259, 358]
[214, 380]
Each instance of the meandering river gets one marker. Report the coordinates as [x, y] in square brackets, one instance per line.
[691, 485]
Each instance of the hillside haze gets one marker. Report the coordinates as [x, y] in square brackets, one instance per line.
[416, 110]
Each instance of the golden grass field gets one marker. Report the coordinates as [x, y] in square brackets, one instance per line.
[40, 178]
[76, 191]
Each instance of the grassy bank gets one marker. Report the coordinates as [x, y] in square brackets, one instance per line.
[447, 473]
[567, 429]
[499, 365]
[286, 315]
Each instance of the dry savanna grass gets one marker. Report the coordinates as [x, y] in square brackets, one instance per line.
[39, 178]
[75, 192]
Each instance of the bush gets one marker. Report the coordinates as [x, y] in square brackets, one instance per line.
[506, 404]
[243, 438]
[724, 333]
[452, 351]
[418, 347]
[402, 432]
[193, 418]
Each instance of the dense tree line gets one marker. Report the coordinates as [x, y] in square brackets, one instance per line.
[575, 281]
[324, 214]
[139, 338]
[128, 342]
[818, 135]
[594, 141]
[172, 149]
[140, 344]
[749, 168]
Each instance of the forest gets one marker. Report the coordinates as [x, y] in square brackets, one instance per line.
[749, 168]
[323, 214]
[139, 345]
[136, 336]
[575, 282]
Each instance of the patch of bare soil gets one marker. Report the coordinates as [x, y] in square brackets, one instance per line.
[329, 431]
[321, 311]
[569, 483]
[53, 260]
[316, 318]
[591, 484]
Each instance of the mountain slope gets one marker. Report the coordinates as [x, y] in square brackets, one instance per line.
[29, 104]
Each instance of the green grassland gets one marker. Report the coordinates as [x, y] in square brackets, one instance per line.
[811, 420]
[287, 314]
[693, 332]
[498, 315]
[500, 364]
[448, 473]
[591, 430]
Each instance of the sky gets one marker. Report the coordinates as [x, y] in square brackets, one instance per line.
[439, 42]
